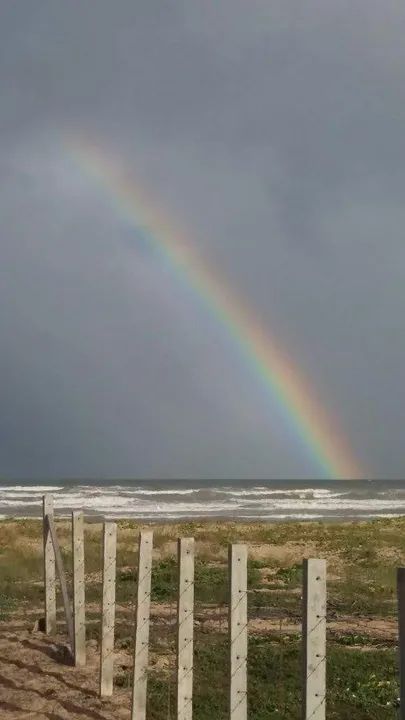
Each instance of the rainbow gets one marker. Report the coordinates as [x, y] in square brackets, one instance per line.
[268, 361]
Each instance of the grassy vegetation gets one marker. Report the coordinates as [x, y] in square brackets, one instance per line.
[362, 560]
[361, 685]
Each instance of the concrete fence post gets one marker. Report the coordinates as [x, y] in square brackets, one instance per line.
[401, 638]
[79, 617]
[49, 568]
[238, 632]
[62, 580]
[141, 649]
[185, 628]
[108, 609]
[314, 640]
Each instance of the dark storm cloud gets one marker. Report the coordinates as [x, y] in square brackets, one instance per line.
[273, 132]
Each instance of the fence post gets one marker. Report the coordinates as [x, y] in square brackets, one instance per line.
[79, 619]
[49, 568]
[62, 580]
[108, 609]
[185, 628]
[401, 638]
[238, 632]
[314, 640]
[141, 650]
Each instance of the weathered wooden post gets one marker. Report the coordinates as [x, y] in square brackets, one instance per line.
[238, 632]
[314, 640]
[141, 650]
[185, 628]
[401, 638]
[79, 619]
[49, 568]
[108, 609]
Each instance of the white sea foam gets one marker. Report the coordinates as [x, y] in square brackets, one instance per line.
[273, 502]
[263, 492]
[30, 489]
[19, 503]
[142, 491]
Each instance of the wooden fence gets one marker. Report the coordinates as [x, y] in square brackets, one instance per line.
[313, 624]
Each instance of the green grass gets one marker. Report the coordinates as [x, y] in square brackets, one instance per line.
[361, 685]
[7, 605]
[357, 640]
[362, 560]
[210, 582]
[365, 555]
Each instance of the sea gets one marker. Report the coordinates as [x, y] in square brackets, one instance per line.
[192, 500]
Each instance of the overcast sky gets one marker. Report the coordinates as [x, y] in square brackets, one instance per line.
[273, 131]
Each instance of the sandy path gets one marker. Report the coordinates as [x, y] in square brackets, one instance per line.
[215, 618]
[36, 683]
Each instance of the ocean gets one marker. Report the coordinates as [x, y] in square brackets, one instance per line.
[192, 500]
